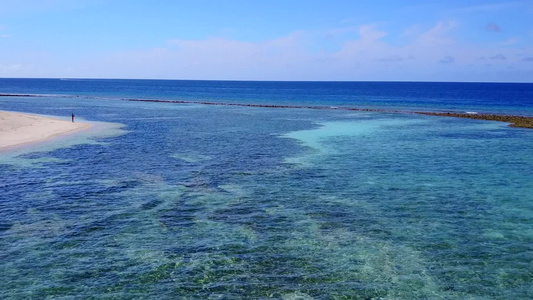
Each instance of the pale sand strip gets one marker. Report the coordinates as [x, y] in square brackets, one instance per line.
[19, 128]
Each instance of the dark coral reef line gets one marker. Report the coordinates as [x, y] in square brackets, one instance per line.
[515, 121]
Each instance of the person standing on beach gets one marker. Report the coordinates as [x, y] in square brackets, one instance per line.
[72, 117]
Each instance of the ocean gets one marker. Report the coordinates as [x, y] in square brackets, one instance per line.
[194, 201]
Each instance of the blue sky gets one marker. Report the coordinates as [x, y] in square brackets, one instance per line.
[424, 40]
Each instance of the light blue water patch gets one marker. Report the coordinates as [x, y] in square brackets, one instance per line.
[95, 135]
[317, 139]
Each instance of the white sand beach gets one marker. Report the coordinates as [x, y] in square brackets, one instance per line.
[20, 128]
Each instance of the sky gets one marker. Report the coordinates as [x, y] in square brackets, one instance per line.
[334, 40]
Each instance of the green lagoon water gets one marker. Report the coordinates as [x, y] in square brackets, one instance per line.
[169, 201]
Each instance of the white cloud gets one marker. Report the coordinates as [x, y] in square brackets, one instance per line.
[437, 35]
[498, 57]
[492, 27]
[369, 33]
[366, 47]
[334, 32]
[412, 31]
[447, 60]
[367, 57]
[426, 54]
[510, 41]
[215, 58]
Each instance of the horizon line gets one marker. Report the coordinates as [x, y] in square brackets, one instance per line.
[257, 80]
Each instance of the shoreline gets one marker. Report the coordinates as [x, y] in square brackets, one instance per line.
[18, 129]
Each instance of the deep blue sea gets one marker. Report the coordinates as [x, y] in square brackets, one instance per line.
[192, 201]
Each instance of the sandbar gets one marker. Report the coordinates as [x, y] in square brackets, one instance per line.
[18, 129]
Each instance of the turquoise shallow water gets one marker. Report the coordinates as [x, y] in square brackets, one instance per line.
[217, 202]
